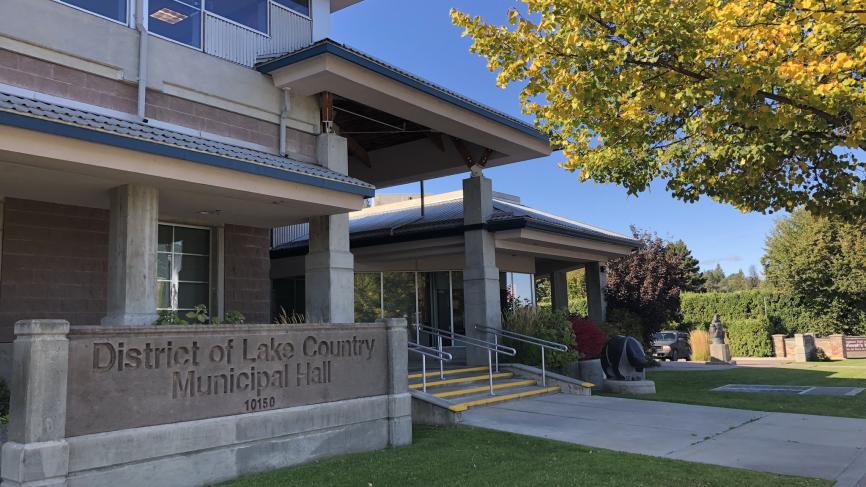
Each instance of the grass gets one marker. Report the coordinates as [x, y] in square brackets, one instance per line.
[693, 387]
[463, 456]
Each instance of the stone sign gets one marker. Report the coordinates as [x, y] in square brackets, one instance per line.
[132, 377]
[855, 347]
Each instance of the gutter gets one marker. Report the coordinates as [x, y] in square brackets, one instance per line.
[142, 59]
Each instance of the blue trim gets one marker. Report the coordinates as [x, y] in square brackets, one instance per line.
[116, 140]
[329, 47]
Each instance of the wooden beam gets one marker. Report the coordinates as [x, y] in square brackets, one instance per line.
[436, 138]
[484, 157]
[358, 151]
[326, 106]
[464, 152]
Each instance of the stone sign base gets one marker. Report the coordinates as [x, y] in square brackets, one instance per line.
[191, 405]
[720, 352]
[630, 386]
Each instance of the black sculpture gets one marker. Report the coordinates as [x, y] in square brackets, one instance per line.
[623, 358]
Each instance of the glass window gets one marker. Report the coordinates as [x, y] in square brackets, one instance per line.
[176, 20]
[457, 300]
[182, 267]
[300, 6]
[520, 288]
[399, 290]
[368, 297]
[251, 13]
[113, 9]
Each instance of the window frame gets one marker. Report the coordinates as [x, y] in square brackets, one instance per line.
[201, 34]
[210, 258]
[290, 9]
[266, 33]
[127, 23]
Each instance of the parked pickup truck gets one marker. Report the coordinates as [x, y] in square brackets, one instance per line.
[672, 345]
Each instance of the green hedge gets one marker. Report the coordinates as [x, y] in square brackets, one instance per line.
[749, 338]
[782, 311]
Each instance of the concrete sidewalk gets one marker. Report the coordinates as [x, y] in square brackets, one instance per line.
[790, 444]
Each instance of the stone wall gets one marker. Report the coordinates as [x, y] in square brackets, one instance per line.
[54, 263]
[248, 272]
[56, 80]
[799, 347]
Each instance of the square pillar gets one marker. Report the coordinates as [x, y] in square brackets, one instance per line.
[559, 290]
[330, 266]
[132, 237]
[399, 400]
[596, 284]
[37, 454]
[480, 274]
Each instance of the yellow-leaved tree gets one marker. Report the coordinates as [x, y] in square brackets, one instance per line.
[760, 104]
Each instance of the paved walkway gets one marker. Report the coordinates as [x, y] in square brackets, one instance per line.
[791, 444]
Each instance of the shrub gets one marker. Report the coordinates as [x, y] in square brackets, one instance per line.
[234, 318]
[589, 338]
[783, 311]
[625, 323]
[546, 324]
[699, 340]
[749, 338]
[169, 317]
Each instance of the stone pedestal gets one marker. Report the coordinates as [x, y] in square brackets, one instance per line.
[480, 274]
[630, 386]
[132, 256]
[804, 347]
[720, 352]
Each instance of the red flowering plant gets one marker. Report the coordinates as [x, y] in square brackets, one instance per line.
[588, 336]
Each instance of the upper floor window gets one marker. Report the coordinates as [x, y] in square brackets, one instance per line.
[300, 6]
[251, 13]
[112, 9]
[176, 20]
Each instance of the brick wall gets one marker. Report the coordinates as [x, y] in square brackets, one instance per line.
[248, 272]
[53, 79]
[54, 263]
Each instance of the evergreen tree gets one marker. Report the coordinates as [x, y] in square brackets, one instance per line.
[694, 281]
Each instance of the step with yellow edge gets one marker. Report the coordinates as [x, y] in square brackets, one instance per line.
[459, 380]
[435, 373]
[486, 388]
[463, 406]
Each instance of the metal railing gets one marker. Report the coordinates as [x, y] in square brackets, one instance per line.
[544, 344]
[472, 342]
[425, 352]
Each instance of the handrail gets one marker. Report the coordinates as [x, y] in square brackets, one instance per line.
[425, 351]
[474, 342]
[513, 335]
[559, 347]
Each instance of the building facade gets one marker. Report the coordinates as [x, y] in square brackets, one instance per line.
[147, 150]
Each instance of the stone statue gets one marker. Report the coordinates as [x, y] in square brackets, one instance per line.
[717, 331]
[623, 358]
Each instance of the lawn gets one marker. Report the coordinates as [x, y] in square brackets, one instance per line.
[693, 387]
[476, 457]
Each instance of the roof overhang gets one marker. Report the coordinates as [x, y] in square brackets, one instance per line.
[329, 67]
[341, 4]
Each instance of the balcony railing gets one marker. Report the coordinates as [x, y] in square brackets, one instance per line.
[223, 38]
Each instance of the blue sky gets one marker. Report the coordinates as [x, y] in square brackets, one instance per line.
[417, 36]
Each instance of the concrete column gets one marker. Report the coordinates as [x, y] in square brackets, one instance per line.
[596, 284]
[399, 399]
[320, 12]
[37, 453]
[330, 266]
[132, 256]
[480, 274]
[559, 290]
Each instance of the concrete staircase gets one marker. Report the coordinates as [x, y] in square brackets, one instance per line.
[464, 388]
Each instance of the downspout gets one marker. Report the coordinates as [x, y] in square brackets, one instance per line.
[284, 116]
[142, 59]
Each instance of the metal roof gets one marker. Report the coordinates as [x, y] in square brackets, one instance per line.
[445, 217]
[350, 54]
[60, 120]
